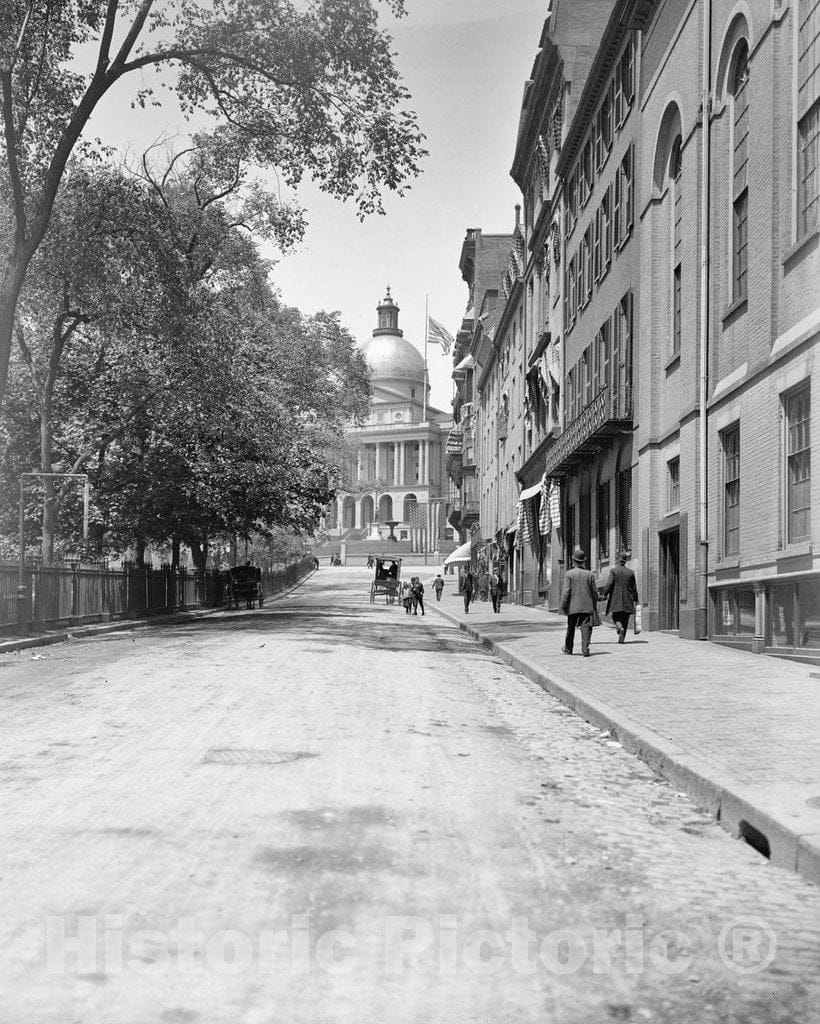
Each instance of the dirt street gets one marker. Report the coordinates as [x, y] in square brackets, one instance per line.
[333, 812]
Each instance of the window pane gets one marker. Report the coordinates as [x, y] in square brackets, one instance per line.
[808, 54]
[781, 615]
[741, 120]
[798, 424]
[741, 211]
[809, 182]
[745, 600]
[731, 491]
[724, 613]
[808, 600]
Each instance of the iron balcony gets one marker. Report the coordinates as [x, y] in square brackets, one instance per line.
[606, 416]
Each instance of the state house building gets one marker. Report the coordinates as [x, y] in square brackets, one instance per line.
[396, 472]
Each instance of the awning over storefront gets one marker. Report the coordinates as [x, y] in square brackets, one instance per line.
[467, 363]
[530, 492]
[461, 554]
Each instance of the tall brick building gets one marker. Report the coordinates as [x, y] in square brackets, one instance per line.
[729, 322]
[670, 312]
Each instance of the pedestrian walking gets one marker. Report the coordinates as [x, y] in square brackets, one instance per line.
[495, 590]
[621, 592]
[438, 586]
[418, 595]
[579, 602]
[406, 597]
[467, 588]
[483, 585]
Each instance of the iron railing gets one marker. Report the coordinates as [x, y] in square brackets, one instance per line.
[609, 413]
[77, 594]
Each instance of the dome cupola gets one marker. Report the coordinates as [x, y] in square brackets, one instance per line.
[389, 355]
[388, 316]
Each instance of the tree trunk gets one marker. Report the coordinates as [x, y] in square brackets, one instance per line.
[199, 553]
[50, 499]
[98, 529]
[175, 545]
[139, 546]
[16, 266]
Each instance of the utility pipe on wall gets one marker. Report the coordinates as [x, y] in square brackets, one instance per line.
[703, 379]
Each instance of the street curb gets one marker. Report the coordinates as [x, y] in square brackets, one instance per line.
[707, 785]
[118, 625]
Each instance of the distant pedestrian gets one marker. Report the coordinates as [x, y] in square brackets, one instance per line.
[406, 597]
[418, 595]
[579, 603]
[315, 563]
[467, 588]
[438, 586]
[495, 590]
[621, 592]
[370, 562]
[483, 585]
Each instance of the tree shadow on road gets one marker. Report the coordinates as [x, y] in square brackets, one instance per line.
[321, 628]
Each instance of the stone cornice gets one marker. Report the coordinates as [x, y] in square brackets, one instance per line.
[626, 16]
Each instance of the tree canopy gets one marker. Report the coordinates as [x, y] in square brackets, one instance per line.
[154, 355]
[308, 88]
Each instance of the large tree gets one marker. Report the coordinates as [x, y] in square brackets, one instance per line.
[104, 281]
[301, 88]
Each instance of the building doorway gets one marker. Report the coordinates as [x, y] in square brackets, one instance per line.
[585, 524]
[669, 605]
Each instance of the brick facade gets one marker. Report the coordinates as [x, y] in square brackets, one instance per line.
[672, 287]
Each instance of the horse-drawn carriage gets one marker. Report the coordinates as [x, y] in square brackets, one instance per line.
[386, 577]
[244, 583]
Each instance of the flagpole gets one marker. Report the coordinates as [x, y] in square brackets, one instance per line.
[426, 329]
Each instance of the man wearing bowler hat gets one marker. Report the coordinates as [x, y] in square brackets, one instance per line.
[578, 602]
[621, 592]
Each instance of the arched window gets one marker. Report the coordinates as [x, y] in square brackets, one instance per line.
[676, 239]
[739, 89]
[808, 113]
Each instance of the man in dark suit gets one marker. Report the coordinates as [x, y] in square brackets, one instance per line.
[468, 585]
[621, 592]
[578, 603]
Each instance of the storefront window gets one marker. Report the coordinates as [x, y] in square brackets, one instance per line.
[735, 612]
[725, 613]
[745, 601]
[808, 602]
[781, 616]
[794, 615]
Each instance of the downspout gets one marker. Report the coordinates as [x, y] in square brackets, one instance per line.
[523, 384]
[701, 630]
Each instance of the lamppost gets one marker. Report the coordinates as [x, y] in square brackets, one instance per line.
[21, 569]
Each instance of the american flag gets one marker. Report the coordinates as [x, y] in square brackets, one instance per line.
[439, 334]
[418, 515]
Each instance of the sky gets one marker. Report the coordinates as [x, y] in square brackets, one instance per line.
[465, 63]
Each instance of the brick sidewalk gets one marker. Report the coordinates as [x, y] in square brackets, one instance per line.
[736, 731]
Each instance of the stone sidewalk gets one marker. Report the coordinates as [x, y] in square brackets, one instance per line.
[738, 732]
